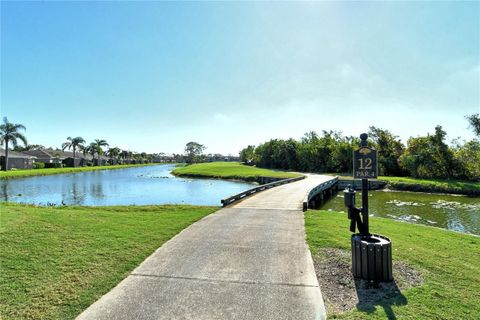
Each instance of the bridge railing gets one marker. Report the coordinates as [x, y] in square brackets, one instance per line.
[227, 201]
[321, 187]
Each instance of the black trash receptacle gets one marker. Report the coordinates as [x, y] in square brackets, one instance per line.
[372, 257]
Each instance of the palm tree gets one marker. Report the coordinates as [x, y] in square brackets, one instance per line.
[84, 150]
[126, 155]
[114, 153]
[96, 147]
[29, 147]
[73, 143]
[9, 133]
[91, 149]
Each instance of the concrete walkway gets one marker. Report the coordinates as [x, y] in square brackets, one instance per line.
[249, 261]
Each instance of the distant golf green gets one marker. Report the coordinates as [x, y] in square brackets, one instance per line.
[229, 170]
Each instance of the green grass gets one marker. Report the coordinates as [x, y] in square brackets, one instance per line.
[425, 185]
[46, 172]
[56, 261]
[229, 170]
[450, 261]
[435, 185]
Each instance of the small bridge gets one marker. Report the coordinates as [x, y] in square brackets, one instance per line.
[318, 188]
[240, 196]
[249, 260]
[319, 193]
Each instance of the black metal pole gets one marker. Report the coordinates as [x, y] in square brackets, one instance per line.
[365, 206]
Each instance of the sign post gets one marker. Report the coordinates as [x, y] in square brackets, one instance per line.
[371, 253]
[365, 166]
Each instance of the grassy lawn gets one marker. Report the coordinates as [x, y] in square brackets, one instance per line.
[56, 261]
[45, 172]
[425, 185]
[449, 261]
[229, 170]
[435, 185]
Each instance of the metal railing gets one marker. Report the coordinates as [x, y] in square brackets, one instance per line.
[227, 201]
[321, 187]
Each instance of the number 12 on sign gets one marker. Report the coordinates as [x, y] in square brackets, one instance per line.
[365, 163]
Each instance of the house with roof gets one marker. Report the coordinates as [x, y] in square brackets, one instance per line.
[17, 160]
[45, 155]
[53, 157]
[80, 159]
[101, 160]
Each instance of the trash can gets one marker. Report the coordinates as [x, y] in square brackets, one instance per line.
[372, 257]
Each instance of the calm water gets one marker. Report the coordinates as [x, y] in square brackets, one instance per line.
[139, 186]
[457, 213]
[155, 185]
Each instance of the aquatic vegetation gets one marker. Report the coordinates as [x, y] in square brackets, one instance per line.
[399, 203]
[452, 205]
[411, 219]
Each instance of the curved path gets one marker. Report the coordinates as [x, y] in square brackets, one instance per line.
[247, 261]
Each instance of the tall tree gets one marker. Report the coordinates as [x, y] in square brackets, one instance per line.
[193, 151]
[429, 157]
[73, 143]
[125, 154]
[247, 155]
[474, 121]
[28, 147]
[9, 132]
[91, 149]
[389, 148]
[468, 155]
[84, 150]
[96, 147]
[114, 152]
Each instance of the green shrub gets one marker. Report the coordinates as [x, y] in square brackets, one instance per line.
[38, 165]
[54, 165]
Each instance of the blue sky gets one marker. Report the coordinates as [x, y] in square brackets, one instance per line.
[151, 76]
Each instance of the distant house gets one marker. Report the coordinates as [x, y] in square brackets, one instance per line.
[101, 160]
[51, 157]
[220, 157]
[46, 155]
[17, 160]
[80, 159]
[163, 158]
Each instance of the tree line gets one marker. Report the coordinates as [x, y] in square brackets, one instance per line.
[422, 157]
[11, 135]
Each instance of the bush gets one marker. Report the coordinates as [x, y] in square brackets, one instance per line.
[38, 165]
[54, 165]
[89, 164]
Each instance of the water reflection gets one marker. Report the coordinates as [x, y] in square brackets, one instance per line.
[75, 193]
[142, 185]
[451, 212]
[4, 192]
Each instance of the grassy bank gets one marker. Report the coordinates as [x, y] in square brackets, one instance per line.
[426, 185]
[229, 170]
[449, 262]
[46, 172]
[433, 185]
[56, 261]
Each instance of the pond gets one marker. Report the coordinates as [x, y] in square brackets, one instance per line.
[459, 213]
[131, 186]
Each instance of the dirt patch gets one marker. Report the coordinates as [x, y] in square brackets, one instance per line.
[342, 292]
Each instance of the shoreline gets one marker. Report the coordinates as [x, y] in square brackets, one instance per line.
[27, 173]
[254, 180]
[424, 186]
